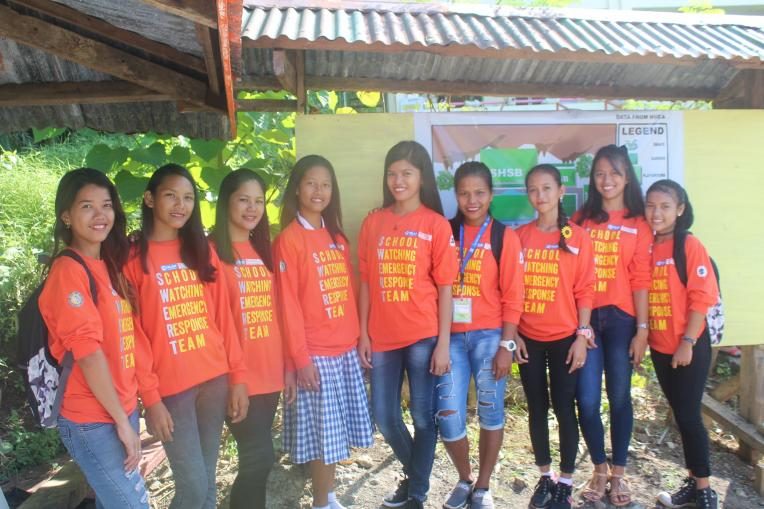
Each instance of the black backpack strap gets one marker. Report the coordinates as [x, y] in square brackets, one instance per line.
[68, 359]
[497, 240]
[680, 256]
[454, 222]
[716, 274]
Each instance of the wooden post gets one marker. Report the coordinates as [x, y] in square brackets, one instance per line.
[752, 406]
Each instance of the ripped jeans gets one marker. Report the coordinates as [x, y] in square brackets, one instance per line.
[472, 355]
[97, 450]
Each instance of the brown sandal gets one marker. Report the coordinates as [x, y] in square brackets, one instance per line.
[621, 496]
[590, 494]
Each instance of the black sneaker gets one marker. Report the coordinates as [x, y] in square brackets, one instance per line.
[401, 495]
[562, 496]
[414, 503]
[684, 497]
[542, 493]
[706, 499]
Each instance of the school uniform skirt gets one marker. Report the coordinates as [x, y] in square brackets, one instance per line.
[325, 424]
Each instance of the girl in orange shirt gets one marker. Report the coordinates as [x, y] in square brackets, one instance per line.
[320, 325]
[185, 313]
[98, 422]
[614, 217]
[407, 265]
[242, 240]
[680, 346]
[554, 328]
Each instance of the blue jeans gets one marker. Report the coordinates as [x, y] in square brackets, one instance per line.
[97, 450]
[418, 453]
[472, 355]
[614, 330]
[197, 414]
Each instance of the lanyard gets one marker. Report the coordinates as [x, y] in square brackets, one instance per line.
[465, 257]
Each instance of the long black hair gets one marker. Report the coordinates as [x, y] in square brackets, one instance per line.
[194, 249]
[415, 154]
[618, 157]
[332, 214]
[259, 237]
[471, 169]
[115, 247]
[562, 218]
[685, 220]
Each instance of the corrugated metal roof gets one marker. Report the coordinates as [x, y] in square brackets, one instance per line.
[425, 26]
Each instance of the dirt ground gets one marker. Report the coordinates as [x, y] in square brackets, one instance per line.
[655, 464]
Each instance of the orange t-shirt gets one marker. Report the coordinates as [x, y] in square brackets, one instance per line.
[497, 295]
[404, 259]
[621, 259]
[669, 301]
[188, 323]
[315, 291]
[557, 283]
[77, 324]
[252, 295]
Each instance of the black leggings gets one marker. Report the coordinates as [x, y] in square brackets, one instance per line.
[256, 456]
[551, 355]
[684, 387]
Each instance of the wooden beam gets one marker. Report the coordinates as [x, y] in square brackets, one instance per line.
[752, 384]
[506, 89]
[285, 69]
[81, 92]
[102, 28]
[302, 88]
[99, 56]
[266, 105]
[258, 83]
[732, 422]
[208, 38]
[202, 12]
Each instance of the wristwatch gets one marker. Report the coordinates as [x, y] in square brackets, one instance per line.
[643, 325]
[585, 331]
[509, 345]
[690, 340]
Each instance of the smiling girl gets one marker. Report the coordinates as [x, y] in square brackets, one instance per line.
[613, 216]
[98, 422]
[242, 240]
[186, 315]
[554, 327]
[680, 346]
[407, 264]
[320, 324]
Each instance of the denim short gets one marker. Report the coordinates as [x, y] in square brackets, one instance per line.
[472, 355]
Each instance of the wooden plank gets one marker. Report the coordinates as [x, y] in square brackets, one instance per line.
[102, 28]
[264, 105]
[198, 11]
[727, 389]
[285, 69]
[99, 56]
[729, 420]
[505, 89]
[208, 38]
[83, 92]
[752, 384]
[224, 44]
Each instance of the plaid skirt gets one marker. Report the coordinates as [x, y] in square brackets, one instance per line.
[325, 424]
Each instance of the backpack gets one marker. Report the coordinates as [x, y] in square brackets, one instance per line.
[45, 379]
[497, 237]
[715, 315]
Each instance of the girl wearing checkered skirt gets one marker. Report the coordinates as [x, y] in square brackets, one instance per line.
[320, 326]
